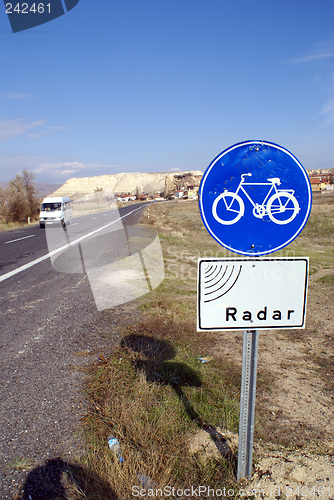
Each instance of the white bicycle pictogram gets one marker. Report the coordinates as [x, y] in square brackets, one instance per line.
[281, 206]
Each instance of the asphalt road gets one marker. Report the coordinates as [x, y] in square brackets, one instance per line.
[48, 317]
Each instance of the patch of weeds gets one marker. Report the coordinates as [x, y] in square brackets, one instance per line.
[83, 353]
[270, 428]
[153, 393]
[20, 463]
[15, 225]
[186, 292]
[327, 280]
[265, 382]
[326, 370]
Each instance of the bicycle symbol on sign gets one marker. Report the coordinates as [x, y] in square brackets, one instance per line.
[281, 206]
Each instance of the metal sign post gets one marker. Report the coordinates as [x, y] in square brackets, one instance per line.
[247, 403]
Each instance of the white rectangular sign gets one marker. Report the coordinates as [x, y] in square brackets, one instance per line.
[255, 293]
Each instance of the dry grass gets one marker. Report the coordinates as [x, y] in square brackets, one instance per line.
[154, 395]
[16, 225]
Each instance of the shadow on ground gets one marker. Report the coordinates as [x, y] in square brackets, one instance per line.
[60, 480]
[154, 359]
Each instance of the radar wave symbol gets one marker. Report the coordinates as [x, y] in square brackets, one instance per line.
[219, 279]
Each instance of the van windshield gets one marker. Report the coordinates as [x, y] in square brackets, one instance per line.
[50, 207]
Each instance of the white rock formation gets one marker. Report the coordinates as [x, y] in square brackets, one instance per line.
[150, 183]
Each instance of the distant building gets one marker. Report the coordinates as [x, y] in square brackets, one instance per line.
[193, 192]
[326, 175]
[318, 184]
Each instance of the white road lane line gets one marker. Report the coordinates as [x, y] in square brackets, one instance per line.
[54, 252]
[19, 239]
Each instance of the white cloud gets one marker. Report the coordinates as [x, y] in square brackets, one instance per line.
[74, 166]
[33, 135]
[323, 80]
[15, 128]
[321, 51]
[56, 129]
[328, 111]
[67, 173]
[48, 170]
[311, 58]
[14, 95]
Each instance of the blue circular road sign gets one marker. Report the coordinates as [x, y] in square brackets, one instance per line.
[255, 198]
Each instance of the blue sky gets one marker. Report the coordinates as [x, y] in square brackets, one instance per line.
[165, 85]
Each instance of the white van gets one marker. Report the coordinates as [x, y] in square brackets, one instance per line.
[55, 210]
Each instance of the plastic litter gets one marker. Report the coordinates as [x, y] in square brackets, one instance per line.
[146, 482]
[205, 360]
[115, 447]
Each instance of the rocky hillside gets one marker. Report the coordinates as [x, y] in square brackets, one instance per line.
[151, 183]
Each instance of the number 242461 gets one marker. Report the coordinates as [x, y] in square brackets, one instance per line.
[35, 8]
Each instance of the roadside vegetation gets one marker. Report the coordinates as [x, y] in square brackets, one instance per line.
[18, 201]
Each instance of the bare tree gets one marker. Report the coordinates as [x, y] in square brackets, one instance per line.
[18, 200]
[31, 193]
[98, 193]
[110, 198]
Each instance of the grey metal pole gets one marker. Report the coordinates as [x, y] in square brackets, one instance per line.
[247, 403]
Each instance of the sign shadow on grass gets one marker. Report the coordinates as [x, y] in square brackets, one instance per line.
[154, 359]
[47, 482]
